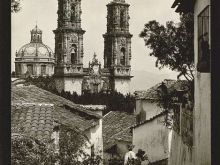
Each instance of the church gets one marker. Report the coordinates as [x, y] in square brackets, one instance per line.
[69, 73]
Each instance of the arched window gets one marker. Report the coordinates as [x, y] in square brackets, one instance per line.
[58, 57]
[122, 57]
[30, 69]
[74, 54]
[73, 13]
[122, 19]
[43, 69]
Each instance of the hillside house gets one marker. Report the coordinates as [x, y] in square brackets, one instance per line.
[150, 132]
[38, 112]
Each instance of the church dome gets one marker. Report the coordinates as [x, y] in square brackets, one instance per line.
[35, 48]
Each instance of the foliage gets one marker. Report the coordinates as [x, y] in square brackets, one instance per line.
[28, 150]
[15, 6]
[73, 148]
[170, 99]
[114, 101]
[172, 45]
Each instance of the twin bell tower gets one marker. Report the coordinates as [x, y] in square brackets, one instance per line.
[70, 75]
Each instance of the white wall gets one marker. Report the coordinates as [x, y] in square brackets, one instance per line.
[202, 113]
[97, 139]
[180, 153]
[122, 86]
[69, 84]
[152, 137]
[151, 108]
[73, 85]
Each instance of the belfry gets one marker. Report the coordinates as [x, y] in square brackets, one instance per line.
[70, 75]
[117, 46]
[69, 46]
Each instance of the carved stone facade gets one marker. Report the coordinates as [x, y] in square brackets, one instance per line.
[117, 49]
[69, 51]
[69, 45]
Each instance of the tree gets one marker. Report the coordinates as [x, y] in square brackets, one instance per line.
[28, 150]
[113, 100]
[72, 144]
[15, 6]
[172, 45]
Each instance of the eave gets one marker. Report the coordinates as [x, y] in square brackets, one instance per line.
[183, 6]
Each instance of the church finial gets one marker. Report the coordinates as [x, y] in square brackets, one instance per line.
[94, 55]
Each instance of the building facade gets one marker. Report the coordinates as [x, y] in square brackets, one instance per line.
[69, 72]
[202, 92]
[152, 132]
[202, 113]
[34, 58]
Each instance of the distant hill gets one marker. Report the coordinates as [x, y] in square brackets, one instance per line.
[143, 80]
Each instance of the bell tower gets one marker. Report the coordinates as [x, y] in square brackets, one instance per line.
[117, 46]
[69, 46]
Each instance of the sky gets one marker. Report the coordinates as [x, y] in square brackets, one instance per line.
[44, 13]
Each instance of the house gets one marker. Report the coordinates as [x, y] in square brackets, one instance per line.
[117, 135]
[202, 96]
[150, 132]
[38, 112]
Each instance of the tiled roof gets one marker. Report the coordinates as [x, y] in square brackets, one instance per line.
[34, 119]
[65, 111]
[152, 94]
[116, 126]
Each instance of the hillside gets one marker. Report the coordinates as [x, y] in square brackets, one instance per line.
[143, 80]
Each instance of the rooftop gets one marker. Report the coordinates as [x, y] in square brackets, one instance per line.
[116, 126]
[65, 112]
[34, 119]
[152, 93]
[183, 6]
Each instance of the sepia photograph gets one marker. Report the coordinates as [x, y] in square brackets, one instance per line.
[110, 82]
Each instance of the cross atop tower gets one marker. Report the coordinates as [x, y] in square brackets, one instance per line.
[121, 1]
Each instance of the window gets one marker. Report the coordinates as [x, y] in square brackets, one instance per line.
[95, 88]
[30, 69]
[18, 69]
[92, 151]
[122, 20]
[203, 41]
[74, 54]
[73, 17]
[122, 57]
[43, 69]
